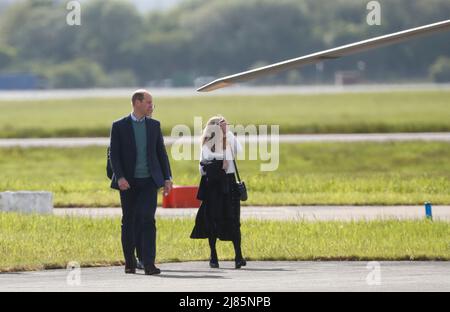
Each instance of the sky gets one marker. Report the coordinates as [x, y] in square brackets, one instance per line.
[154, 4]
[142, 5]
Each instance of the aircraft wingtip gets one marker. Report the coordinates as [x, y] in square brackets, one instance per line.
[218, 84]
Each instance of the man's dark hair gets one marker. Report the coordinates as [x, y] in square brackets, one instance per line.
[137, 96]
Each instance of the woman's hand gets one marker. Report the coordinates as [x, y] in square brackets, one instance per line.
[225, 165]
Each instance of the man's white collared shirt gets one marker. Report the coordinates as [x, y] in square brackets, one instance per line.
[135, 118]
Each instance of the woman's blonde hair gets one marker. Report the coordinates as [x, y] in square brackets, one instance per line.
[212, 126]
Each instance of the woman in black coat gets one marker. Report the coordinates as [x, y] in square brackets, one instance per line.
[219, 213]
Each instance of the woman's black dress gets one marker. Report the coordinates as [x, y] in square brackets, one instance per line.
[220, 211]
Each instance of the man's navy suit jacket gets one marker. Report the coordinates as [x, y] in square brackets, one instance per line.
[123, 152]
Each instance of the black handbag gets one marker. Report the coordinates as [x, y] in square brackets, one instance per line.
[242, 189]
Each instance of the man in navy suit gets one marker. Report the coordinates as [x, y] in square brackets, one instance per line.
[140, 167]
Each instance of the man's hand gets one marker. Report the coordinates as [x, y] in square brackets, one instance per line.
[123, 184]
[168, 185]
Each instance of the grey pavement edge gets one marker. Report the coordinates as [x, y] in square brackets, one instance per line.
[256, 277]
[286, 213]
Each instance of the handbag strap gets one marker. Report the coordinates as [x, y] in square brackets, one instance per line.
[235, 165]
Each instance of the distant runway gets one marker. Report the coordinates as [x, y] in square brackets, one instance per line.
[287, 138]
[34, 95]
[289, 276]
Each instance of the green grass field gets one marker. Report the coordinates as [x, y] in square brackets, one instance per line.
[333, 113]
[43, 242]
[308, 174]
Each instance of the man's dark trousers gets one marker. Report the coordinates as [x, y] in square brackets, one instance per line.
[138, 220]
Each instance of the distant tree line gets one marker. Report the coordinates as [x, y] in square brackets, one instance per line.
[117, 46]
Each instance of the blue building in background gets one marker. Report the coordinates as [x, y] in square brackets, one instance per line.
[22, 82]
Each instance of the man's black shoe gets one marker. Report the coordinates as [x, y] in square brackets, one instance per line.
[130, 270]
[152, 270]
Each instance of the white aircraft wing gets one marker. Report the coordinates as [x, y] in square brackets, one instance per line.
[327, 54]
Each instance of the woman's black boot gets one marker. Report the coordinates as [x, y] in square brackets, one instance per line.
[240, 263]
[214, 263]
